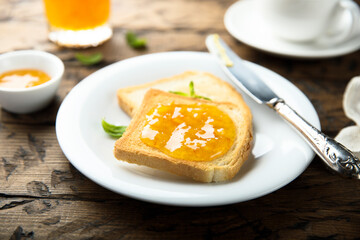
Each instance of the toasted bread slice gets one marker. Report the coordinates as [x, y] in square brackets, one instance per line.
[130, 147]
[205, 84]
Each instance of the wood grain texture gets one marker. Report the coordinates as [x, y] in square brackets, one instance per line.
[42, 196]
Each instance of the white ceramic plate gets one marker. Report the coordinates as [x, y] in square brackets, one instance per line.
[279, 154]
[244, 23]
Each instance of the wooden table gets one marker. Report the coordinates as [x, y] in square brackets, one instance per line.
[42, 196]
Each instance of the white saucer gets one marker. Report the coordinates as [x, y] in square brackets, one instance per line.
[245, 24]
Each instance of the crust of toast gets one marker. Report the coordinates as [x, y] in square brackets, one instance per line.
[131, 149]
[205, 84]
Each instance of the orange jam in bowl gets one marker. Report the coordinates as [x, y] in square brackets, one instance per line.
[194, 132]
[23, 78]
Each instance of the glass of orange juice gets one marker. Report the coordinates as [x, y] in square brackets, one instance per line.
[78, 23]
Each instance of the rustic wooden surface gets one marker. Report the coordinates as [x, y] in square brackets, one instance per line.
[42, 196]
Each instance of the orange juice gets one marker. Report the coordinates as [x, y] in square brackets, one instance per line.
[78, 23]
[77, 14]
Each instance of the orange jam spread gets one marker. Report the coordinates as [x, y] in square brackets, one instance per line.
[195, 132]
[23, 78]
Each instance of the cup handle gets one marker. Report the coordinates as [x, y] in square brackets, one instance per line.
[336, 32]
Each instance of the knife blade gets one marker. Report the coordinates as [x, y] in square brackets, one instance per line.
[241, 75]
[334, 155]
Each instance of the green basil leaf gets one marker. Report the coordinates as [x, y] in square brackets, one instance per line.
[89, 59]
[134, 41]
[113, 130]
[179, 93]
[192, 90]
[206, 98]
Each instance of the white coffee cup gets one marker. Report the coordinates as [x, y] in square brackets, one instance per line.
[325, 22]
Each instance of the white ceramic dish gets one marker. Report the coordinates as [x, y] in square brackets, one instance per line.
[27, 100]
[244, 23]
[279, 154]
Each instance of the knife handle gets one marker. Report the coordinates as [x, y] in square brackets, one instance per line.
[335, 155]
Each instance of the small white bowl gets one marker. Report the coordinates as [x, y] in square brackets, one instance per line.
[27, 100]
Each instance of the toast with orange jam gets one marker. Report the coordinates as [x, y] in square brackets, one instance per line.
[207, 141]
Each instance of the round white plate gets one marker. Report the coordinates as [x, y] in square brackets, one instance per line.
[244, 23]
[279, 154]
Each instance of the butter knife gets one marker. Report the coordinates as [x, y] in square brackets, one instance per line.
[335, 156]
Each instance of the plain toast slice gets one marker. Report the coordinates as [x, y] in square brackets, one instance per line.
[206, 85]
[131, 149]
